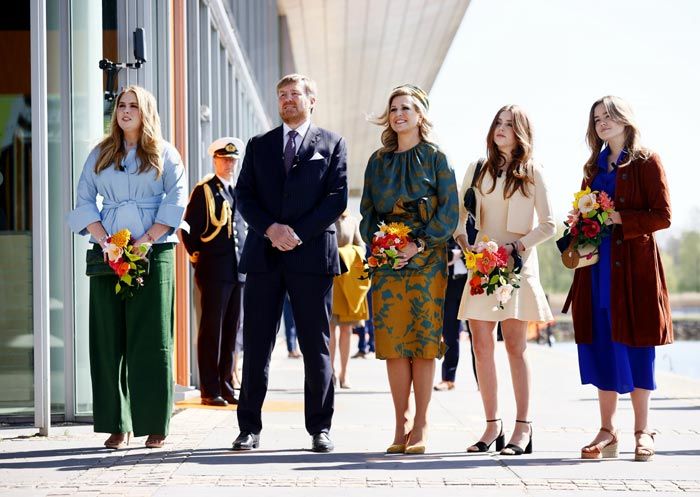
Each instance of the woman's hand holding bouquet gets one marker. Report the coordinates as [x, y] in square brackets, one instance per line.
[488, 263]
[588, 223]
[128, 262]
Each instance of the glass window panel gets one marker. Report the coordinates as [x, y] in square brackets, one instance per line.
[16, 330]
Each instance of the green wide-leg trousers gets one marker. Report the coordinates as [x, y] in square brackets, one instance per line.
[131, 347]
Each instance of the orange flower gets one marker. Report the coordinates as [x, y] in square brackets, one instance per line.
[121, 238]
[398, 229]
[122, 269]
[373, 262]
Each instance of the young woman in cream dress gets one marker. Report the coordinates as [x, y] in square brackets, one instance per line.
[510, 190]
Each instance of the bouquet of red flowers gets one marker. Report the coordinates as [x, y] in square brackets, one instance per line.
[488, 263]
[129, 263]
[586, 226]
[385, 247]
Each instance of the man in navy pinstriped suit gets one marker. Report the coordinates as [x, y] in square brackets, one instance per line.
[291, 189]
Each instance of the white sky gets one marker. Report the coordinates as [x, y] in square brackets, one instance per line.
[555, 58]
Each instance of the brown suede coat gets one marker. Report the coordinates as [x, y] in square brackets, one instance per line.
[639, 304]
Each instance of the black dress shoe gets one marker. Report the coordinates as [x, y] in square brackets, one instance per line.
[246, 441]
[218, 401]
[230, 399]
[321, 442]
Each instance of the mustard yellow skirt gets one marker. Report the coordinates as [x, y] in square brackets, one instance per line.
[408, 313]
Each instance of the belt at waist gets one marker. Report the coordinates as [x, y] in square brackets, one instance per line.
[143, 203]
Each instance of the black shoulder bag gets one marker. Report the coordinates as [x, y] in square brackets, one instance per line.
[470, 205]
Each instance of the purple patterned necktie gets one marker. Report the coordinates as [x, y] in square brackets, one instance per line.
[290, 151]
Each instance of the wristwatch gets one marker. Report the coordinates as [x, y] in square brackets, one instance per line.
[420, 243]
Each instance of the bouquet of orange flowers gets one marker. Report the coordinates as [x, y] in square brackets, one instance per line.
[129, 263]
[586, 226]
[385, 247]
[488, 263]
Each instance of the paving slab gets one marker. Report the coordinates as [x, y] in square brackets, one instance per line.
[197, 460]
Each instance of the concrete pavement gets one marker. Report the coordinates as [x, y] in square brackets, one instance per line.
[197, 460]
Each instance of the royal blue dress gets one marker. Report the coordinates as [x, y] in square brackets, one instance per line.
[606, 364]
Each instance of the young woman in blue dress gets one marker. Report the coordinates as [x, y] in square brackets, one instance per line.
[620, 304]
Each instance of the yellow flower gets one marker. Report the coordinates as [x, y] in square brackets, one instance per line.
[121, 238]
[470, 260]
[577, 196]
[397, 229]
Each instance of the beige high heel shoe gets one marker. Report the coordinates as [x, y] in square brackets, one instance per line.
[398, 448]
[118, 441]
[155, 441]
[415, 449]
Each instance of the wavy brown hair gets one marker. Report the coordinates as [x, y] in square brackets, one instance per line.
[517, 177]
[390, 139]
[620, 112]
[148, 150]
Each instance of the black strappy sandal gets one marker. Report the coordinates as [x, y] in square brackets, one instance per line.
[483, 447]
[516, 450]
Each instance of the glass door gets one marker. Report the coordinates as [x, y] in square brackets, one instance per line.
[16, 308]
[93, 33]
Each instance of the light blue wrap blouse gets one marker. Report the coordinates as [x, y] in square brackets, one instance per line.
[129, 199]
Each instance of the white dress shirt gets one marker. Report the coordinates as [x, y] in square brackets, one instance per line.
[301, 130]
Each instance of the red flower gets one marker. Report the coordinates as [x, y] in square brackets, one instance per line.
[590, 228]
[574, 230]
[475, 286]
[502, 257]
[487, 263]
[373, 262]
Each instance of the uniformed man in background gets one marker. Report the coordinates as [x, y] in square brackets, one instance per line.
[213, 248]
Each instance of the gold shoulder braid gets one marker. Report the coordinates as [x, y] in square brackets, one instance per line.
[226, 217]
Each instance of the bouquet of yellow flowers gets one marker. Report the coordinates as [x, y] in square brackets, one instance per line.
[385, 247]
[586, 226]
[129, 263]
[488, 263]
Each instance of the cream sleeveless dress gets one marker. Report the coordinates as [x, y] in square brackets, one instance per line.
[528, 303]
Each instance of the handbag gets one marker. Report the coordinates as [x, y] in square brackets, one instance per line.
[470, 205]
[576, 258]
[95, 264]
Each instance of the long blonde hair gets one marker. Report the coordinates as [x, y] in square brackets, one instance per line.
[390, 139]
[517, 177]
[148, 150]
[620, 112]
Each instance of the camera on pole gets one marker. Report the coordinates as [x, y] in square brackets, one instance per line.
[113, 68]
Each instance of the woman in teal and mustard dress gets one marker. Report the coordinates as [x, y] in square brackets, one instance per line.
[409, 181]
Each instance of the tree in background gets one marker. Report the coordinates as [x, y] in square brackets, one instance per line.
[555, 278]
[688, 262]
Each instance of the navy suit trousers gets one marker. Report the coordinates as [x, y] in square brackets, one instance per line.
[310, 296]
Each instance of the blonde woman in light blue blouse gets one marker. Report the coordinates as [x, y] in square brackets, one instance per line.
[143, 186]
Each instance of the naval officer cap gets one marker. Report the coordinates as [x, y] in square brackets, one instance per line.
[227, 146]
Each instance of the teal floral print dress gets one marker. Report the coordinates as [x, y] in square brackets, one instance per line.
[415, 187]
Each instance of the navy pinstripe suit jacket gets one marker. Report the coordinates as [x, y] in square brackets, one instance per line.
[309, 199]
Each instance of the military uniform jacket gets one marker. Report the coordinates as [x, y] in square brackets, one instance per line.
[214, 256]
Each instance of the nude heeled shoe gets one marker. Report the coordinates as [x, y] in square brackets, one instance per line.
[398, 448]
[118, 441]
[155, 441]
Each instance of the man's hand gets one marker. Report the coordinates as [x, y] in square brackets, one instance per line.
[282, 237]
